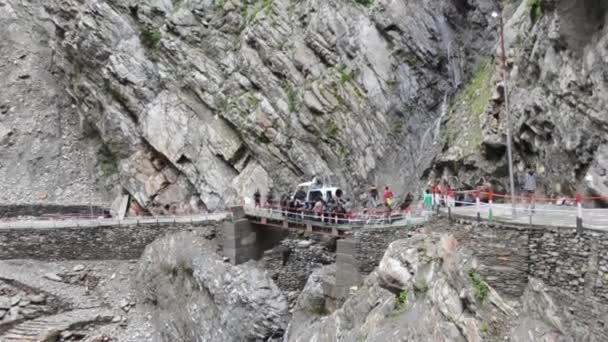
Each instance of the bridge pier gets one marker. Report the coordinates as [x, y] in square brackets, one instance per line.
[245, 240]
[240, 238]
[347, 269]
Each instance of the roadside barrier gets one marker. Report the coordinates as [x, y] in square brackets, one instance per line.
[541, 210]
[365, 217]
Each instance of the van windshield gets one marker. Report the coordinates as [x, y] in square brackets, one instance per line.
[314, 196]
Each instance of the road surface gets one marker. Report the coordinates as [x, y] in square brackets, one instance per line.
[546, 215]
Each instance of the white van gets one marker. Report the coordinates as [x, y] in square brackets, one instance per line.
[310, 192]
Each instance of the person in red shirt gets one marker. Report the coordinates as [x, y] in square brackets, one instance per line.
[388, 196]
[436, 194]
[451, 196]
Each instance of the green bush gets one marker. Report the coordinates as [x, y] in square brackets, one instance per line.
[253, 102]
[320, 310]
[483, 328]
[481, 287]
[150, 37]
[536, 9]
[365, 2]
[267, 5]
[332, 129]
[291, 98]
[401, 300]
[345, 76]
[106, 161]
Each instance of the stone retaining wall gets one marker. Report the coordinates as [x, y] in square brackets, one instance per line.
[577, 263]
[87, 243]
[304, 257]
[37, 210]
[503, 256]
[371, 243]
[561, 257]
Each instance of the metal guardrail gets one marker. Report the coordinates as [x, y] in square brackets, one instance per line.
[543, 215]
[340, 221]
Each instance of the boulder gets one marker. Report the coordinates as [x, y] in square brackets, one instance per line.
[53, 277]
[194, 295]
[5, 303]
[315, 300]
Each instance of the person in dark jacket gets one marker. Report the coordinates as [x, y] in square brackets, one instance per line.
[530, 189]
[285, 253]
[270, 197]
[257, 198]
[373, 196]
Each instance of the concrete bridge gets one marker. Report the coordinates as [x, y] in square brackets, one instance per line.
[253, 230]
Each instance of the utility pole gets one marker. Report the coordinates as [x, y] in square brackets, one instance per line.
[503, 59]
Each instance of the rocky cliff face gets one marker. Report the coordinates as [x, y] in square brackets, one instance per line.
[557, 54]
[205, 100]
[199, 102]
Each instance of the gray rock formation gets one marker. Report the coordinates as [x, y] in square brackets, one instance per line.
[541, 321]
[425, 289]
[194, 296]
[314, 302]
[556, 61]
[215, 98]
[428, 288]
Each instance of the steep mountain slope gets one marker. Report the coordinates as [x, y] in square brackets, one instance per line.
[44, 155]
[202, 99]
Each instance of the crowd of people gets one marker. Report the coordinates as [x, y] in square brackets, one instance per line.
[334, 207]
[339, 208]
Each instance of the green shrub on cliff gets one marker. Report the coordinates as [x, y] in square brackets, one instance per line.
[536, 9]
[345, 75]
[365, 2]
[106, 161]
[319, 310]
[479, 285]
[401, 300]
[292, 97]
[464, 115]
[150, 37]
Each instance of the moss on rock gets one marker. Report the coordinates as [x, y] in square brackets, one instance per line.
[463, 126]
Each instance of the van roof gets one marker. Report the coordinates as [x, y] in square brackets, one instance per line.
[323, 188]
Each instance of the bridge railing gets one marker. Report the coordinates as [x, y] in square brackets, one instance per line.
[532, 209]
[367, 217]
